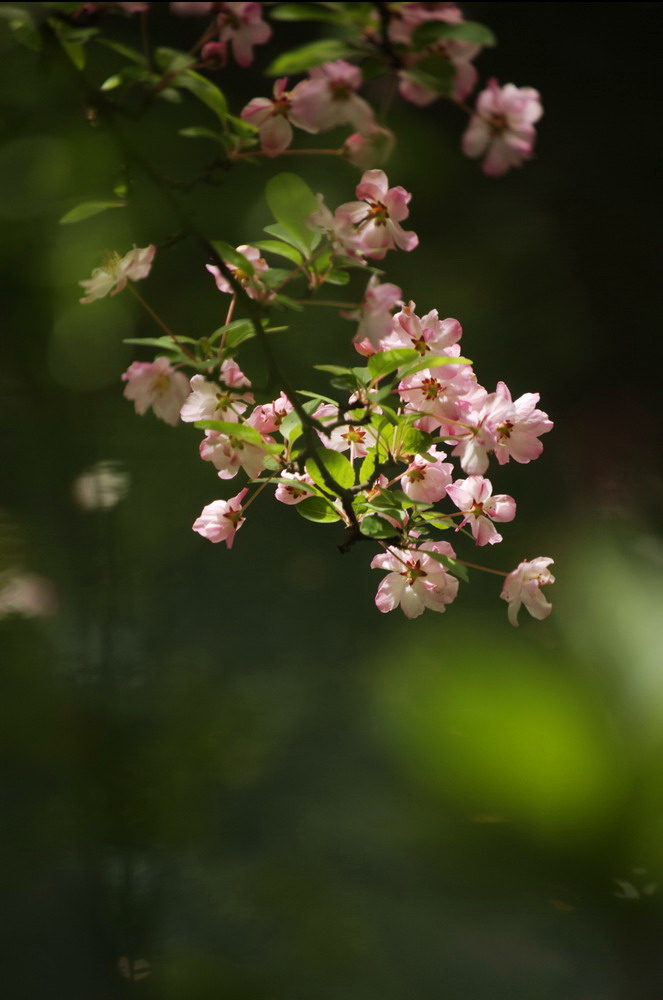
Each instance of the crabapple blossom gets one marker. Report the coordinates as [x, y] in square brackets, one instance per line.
[370, 148]
[427, 477]
[193, 9]
[376, 217]
[220, 520]
[242, 25]
[297, 492]
[416, 581]
[503, 127]
[208, 401]
[329, 98]
[439, 394]
[425, 334]
[518, 435]
[522, 586]
[229, 454]
[251, 283]
[268, 417]
[374, 315]
[273, 118]
[27, 595]
[477, 435]
[338, 229]
[356, 438]
[156, 384]
[116, 271]
[460, 54]
[473, 496]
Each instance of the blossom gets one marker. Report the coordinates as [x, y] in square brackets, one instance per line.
[116, 271]
[370, 148]
[26, 594]
[272, 118]
[329, 98]
[503, 127]
[338, 229]
[425, 334]
[374, 315]
[268, 417]
[427, 477]
[473, 496]
[101, 487]
[221, 520]
[522, 586]
[242, 25]
[158, 385]
[408, 16]
[518, 434]
[377, 216]
[250, 282]
[208, 401]
[439, 394]
[297, 492]
[416, 581]
[229, 454]
[193, 9]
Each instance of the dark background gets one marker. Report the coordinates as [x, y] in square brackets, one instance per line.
[230, 766]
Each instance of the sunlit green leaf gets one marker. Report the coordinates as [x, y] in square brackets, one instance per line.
[280, 248]
[304, 12]
[375, 526]
[467, 31]
[451, 564]
[309, 55]
[337, 466]
[87, 209]
[317, 509]
[384, 362]
[206, 92]
[292, 202]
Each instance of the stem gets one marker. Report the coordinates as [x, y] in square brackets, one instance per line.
[257, 493]
[229, 316]
[287, 152]
[328, 302]
[155, 316]
[485, 569]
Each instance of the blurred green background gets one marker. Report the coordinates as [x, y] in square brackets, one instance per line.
[227, 774]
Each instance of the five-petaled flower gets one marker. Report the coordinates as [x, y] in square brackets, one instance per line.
[416, 580]
[156, 384]
[503, 127]
[116, 271]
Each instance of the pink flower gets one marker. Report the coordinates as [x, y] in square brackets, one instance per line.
[503, 127]
[374, 315]
[416, 581]
[377, 216]
[338, 229]
[26, 594]
[518, 434]
[425, 334]
[427, 477]
[474, 497]
[268, 417]
[371, 148]
[208, 401]
[242, 25]
[297, 492]
[355, 438]
[438, 394]
[220, 520]
[522, 587]
[158, 385]
[251, 283]
[329, 98]
[193, 9]
[116, 271]
[477, 436]
[272, 118]
[229, 454]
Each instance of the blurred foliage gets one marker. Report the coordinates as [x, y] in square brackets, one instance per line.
[226, 774]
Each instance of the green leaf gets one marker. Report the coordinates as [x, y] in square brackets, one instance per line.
[274, 276]
[166, 343]
[434, 73]
[172, 60]
[292, 202]
[291, 427]
[367, 467]
[74, 50]
[451, 564]
[87, 209]
[333, 369]
[236, 333]
[199, 132]
[316, 398]
[362, 375]
[467, 31]
[286, 237]
[317, 509]
[239, 431]
[124, 50]
[304, 12]
[206, 92]
[312, 54]
[280, 248]
[337, 277]
[232, 256]
[416, 442]
[375, 526]
[383, 362]
[22, 26]
[432, 361]
[338, 467]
